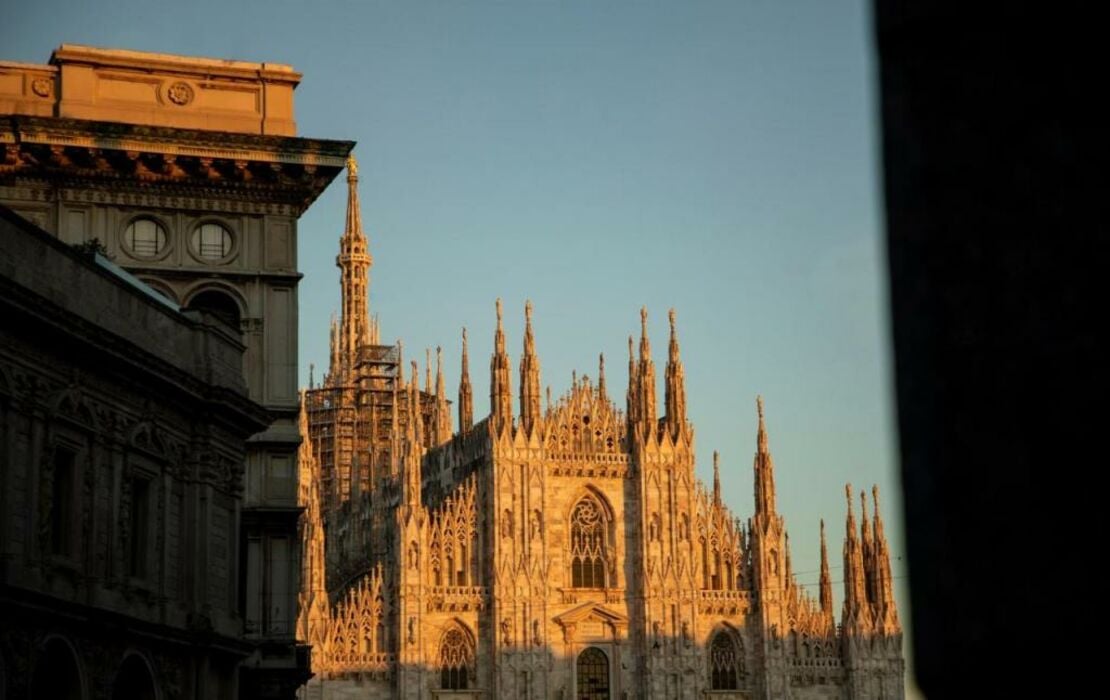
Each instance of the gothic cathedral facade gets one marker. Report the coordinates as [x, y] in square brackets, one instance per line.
[566, 550]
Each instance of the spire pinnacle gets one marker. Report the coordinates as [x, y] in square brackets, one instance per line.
[645, 384]
[466, 363]
[427, 370]
[716, 479]
[529, 374]
[601, 377]
[354, 262]
[764, 469]
[761, 435]
[466, 394]
[675, 396]
[826, 596]
[500, 394]
[439, 371]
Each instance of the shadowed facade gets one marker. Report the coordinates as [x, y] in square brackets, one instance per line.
[566, 550]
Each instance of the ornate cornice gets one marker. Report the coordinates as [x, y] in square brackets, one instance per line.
[169, 161]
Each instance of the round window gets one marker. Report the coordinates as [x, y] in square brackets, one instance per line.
[145, 238]
[212, 242]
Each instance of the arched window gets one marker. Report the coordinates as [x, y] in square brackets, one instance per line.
[724, 662]
[456, 657]
[133, 681]
[145, 238]
[593, 675]
[56, 675]
[218, 303]
[587, 544]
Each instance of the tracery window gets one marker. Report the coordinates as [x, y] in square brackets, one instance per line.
[587, 544]
[456, 656]
[724, 662]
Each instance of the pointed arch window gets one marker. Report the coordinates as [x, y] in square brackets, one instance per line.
[588, 549]
[724, 662]
[456, 658]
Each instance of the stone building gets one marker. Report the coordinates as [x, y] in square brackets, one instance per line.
[190, 172]
[558, 550]
[120, 482]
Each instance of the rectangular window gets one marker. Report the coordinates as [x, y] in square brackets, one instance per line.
[61, 502]
[281, 604]
[140, 527]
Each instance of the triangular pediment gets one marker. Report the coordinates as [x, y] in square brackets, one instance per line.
[596, 611]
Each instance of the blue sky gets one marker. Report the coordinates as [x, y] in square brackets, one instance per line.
[718, 157]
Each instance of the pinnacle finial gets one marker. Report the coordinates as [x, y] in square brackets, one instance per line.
[761, 433]
[498, 312]
[671, 315]
[875, 496]
[848, 495]
[439, 358]
[863, 504]
[643, 320]
[716, 458]
[464, 338]
[601, 375]
[822, 529]
[528, 311]
[631, 357]
[352, 165]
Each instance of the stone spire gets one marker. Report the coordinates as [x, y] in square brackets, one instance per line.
[764, 470]
[428, 371]
[716, 480]
[632, 396]
[500, 395]
[466, 394]
[395, 435]
[354, 263]
[856, 609]
[886, 610]
[645, 386]
[601, 393]
[416, 419]
[443, 413]
[312, 603]
[414, 441]
[826, 581]
[529, 375]
[675, 397]
[867, 548]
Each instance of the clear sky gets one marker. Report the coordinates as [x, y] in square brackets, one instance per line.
[718, 157]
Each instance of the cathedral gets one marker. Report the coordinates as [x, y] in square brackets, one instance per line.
[555, 548]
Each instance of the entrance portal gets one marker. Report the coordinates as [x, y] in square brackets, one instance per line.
[593, 675]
